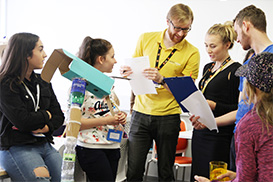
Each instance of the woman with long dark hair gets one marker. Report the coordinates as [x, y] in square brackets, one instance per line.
[29, 113]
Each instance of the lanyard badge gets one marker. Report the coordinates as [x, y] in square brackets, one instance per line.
[114, 135]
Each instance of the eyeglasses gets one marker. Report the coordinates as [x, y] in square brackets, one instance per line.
[178, 29]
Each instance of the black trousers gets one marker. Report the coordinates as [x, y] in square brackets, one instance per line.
[99, 164]
[144, 129]
[232, 159]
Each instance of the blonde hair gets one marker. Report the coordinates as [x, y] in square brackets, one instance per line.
[263, 103]
[180, 12]
[226, 32]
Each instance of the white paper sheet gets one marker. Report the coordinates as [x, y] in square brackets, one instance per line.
[139, 84]
[197, 105]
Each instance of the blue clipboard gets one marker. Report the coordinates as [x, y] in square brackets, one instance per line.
[181, 88]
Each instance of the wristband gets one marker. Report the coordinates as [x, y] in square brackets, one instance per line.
[163, 81]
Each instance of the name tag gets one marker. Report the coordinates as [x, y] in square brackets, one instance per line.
[114, 135]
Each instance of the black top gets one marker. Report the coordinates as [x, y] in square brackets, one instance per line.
[17, 113]
[209, 145]
[223, 89]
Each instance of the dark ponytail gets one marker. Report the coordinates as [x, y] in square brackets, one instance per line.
[92, 48]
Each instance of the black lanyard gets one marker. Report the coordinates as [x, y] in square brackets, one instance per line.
[208, 75]
[166, 60]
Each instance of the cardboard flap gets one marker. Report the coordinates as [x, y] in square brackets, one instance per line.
[56, 60]
[71, 67]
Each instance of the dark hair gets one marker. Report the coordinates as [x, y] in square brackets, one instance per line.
[92, 48]
[14, 61]
[2, 53]
[252, 14]
[248, 54]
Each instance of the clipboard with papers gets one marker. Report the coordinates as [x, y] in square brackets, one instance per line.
[191, 99]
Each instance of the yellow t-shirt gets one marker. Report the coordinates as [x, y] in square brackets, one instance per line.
[184, 62]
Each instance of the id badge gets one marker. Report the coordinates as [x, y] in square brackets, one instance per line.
[114, 135]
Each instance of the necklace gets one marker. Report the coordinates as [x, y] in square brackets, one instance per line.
[208, 75]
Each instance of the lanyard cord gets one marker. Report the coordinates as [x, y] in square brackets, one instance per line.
[204, 81]
[166, 60]
[36, 106]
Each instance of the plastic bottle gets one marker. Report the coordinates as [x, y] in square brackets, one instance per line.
[69, 157]
[77, 91]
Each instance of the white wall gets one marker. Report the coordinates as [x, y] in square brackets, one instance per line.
[64, 24]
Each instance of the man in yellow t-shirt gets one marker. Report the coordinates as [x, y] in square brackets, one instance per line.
[157, 116]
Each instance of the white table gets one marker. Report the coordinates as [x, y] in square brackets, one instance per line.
[185, 134]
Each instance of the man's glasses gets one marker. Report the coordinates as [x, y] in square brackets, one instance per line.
[178, 29]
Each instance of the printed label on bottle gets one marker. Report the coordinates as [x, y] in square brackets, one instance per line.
[69, 157]
[78, 85]
[77, 91]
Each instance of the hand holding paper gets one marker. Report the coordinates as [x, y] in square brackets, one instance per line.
[195, 122]
[197, 104]
[191, 99]
[139, 83]
[125, 71]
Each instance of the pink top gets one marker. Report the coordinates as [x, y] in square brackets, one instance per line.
[254, 149]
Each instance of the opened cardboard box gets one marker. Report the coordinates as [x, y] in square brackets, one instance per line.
[71, 66]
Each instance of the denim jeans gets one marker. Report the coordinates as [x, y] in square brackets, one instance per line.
[20, 161]
[144, 129]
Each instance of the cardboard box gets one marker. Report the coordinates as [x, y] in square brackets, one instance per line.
[71, 67]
